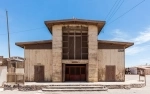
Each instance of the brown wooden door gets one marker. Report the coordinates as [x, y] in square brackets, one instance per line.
[75, 73]
[83, 72]
[38, 73]
[110, 73]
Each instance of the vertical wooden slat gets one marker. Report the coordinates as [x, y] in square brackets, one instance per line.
[63, 72]
[81, 44]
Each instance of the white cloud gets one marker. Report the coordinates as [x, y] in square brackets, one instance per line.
[136, 49]
[143, 37]
[119, 35]
[133, 50]
[140, 41]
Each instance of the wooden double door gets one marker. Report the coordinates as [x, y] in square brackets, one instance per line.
[75, 72]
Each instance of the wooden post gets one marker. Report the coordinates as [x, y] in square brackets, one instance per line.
[145, 80]
[8, 35]
[145, 76]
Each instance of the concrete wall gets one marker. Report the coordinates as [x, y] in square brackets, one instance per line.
[92, 54]
[109, 54]
[98, 58]
[1, 60]
[57, 53]
[40, 54]
[147, 71]
[3, 74]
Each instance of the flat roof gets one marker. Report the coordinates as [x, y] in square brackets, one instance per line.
[143, 68]
[22, 44]
[98, 23]
[126, 44]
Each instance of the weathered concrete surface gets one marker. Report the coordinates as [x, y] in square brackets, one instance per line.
[144, 90]
[75, 61]
[107, 56]
[131, 82]
[31, 86]
[3, 75]
[38, 55]
[92, 55]
[57, 53]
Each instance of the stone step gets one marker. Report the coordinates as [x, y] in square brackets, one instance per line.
[73, 87]
[97, 89]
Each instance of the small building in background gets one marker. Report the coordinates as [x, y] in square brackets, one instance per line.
[3, 70]
[15, 70]
[136, 69]
[146, 69]
[132, 70]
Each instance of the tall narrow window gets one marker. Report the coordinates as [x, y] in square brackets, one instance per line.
[75, 42]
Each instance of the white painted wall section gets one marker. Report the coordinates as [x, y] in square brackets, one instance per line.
[3, 75]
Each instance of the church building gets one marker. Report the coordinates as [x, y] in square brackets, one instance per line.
[74, 54]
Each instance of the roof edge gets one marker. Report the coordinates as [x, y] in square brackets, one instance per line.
[126, 44]
[99, 23]
[22, 44]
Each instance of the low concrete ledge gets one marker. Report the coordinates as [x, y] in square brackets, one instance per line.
[33, 87]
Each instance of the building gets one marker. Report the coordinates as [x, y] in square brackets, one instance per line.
[133, 70]
[146, 69]
[3, 70]
[15, 70]
[74, 54]
[136, 69]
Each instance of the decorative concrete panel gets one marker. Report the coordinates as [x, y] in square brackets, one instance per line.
[75, 61]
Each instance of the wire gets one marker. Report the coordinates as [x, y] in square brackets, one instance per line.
[116, 11]
[111, 9]
[115, 8]
[23, 31]
[126, 12]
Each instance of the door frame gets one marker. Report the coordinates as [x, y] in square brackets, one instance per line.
[106, 73]
[64, 69]
[43, 72]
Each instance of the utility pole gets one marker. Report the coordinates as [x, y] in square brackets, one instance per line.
[8, 34]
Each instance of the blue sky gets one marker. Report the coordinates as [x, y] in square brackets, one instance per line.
[26, 21]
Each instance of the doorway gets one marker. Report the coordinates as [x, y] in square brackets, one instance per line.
[38, 73]
[110, 73]
[75, 72]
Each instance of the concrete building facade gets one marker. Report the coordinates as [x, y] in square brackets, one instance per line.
[74, 54]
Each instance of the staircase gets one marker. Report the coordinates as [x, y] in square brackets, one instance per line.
[80, 87]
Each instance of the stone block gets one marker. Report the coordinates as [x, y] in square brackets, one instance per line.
[57, 39]
[93, 65]
[92, 79]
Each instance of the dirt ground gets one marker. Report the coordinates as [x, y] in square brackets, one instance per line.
[144, 90]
